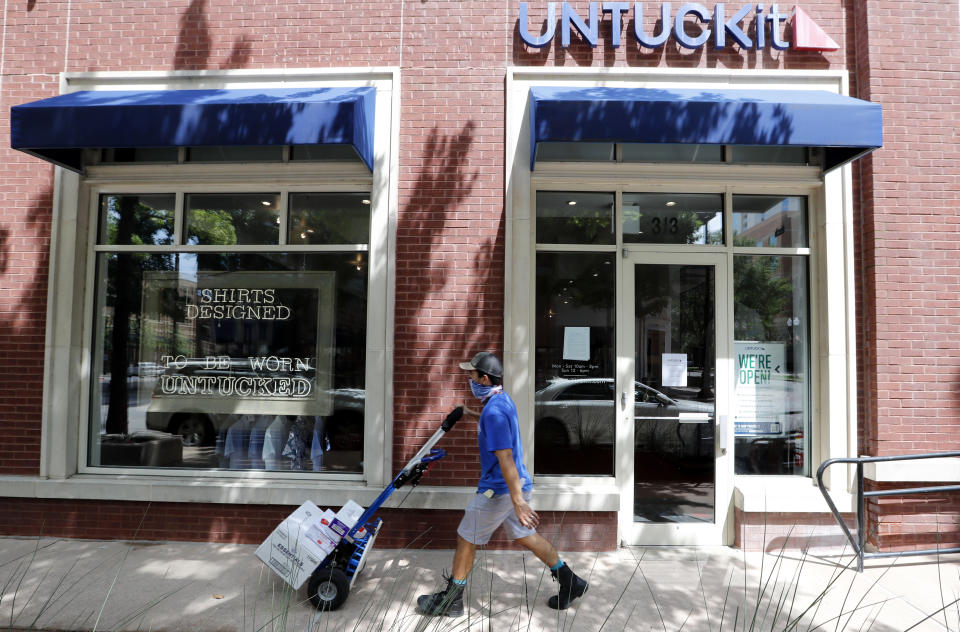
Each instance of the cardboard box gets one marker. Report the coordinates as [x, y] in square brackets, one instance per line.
[346, 518]
[305, 538]
[290, 552]
[321, 533]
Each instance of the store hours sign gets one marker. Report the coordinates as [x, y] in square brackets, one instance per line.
[760, 387]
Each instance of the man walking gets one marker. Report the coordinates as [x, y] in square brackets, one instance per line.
[502, 498]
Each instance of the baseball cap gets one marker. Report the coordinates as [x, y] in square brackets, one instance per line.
[485, 362]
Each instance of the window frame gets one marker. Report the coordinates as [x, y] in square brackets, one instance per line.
[242, 183]
[648, 179]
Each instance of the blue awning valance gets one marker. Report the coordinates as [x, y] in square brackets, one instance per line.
[59, 128]
[845, 127]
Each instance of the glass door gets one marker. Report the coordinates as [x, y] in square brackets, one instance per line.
[672, 400]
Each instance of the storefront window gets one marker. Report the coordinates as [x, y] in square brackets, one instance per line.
[230, 360]
[671, 152]
[575, 152]
[259, 153]
[324, 153]
[139, 154]
[575, 322]
[575, 363]
[575, 217]
[142, 220]
[770, 221]
[772, 365]
[329, 218]
[227, 219]
[673, 218]
[770, 155]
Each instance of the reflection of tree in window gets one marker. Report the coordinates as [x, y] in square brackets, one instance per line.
[694, 323]
[143, 224]
[212, 227]
[232, 219]
[124, 271]
[762, 296]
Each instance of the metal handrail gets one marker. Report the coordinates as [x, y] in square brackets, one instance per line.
[861, 539]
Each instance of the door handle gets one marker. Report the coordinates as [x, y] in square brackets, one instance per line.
[623, 401]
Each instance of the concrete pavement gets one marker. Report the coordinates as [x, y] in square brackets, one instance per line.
[52, 584]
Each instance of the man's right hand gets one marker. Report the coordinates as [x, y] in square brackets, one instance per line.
[466, 409]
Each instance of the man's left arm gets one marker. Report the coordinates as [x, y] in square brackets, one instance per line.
[525, 513]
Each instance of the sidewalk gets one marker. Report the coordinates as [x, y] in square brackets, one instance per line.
[52, 584]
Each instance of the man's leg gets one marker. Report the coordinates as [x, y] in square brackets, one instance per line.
[571, 587]
[449, 601]
[463, 559]
[541, 547]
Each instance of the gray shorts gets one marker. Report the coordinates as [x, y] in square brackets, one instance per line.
[483, 515]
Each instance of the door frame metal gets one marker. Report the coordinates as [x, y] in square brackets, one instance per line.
[721, 531]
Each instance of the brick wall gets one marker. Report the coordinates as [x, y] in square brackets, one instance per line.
[903, 523]
[908, 271]
[773, 532]
[25, 222]
[248, 524]
[910, 242]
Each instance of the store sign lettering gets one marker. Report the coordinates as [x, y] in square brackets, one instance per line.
[722, 29]
[238, 304]
[240, 380]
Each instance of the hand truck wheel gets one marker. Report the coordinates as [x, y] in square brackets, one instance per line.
[328, 588]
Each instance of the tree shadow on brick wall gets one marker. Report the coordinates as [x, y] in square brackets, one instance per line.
[195, 42]
[22, 328]
[449, 291]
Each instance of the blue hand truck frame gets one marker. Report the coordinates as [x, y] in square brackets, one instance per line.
[329, 585]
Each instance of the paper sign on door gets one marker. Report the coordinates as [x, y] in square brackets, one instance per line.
[674, 369]
[576, 343]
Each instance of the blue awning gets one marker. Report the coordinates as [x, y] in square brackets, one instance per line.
[59, 128]
[845, 127]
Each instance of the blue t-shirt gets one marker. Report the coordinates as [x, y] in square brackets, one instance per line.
[499, 429]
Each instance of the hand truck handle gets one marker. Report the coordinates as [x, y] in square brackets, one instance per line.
[452, 418]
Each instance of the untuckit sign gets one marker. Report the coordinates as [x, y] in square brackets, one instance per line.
[751, 26]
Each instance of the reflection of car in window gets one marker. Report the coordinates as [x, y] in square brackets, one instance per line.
[580, 412]
[771, 447]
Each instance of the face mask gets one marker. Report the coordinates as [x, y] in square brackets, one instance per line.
[480, 391]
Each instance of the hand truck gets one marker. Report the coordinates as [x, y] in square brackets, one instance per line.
[329, 585]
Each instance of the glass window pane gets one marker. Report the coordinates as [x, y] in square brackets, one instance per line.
[575, 362]
[229, 219]
[770, 220]
[323, 153]
[673, 218]
[772, 365]
[575, 218]
[769, 154]
[137, 219]
[240, 361]
[254, 153]
[575, 152]
[329, 218]
[140, 154]
[671, 152]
